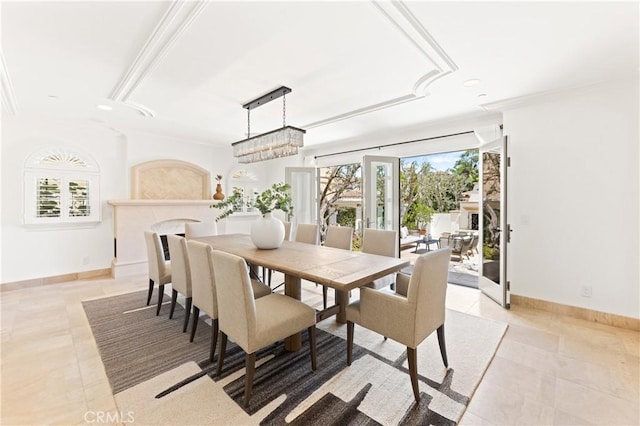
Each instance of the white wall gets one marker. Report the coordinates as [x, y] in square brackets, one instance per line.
[29, 253]
[574, 196]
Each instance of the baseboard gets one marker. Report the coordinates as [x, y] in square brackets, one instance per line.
[575, 312]
[39, 282]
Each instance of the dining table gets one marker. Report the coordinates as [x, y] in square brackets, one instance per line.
[342, 270]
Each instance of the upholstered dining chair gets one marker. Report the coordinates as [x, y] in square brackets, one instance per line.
[287, 231]
[159, 268]
[203, 289]
[338, 237]
[383, 243]
[407, 318]
[180, 275]
[307, 233]
[200, 229]
[254, 324]
[266, 272]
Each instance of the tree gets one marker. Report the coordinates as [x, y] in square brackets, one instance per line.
[335, 182]
[467, 168]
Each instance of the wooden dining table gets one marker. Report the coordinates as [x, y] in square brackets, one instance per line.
[342, 270]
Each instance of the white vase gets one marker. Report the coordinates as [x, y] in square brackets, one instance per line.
[267, 232]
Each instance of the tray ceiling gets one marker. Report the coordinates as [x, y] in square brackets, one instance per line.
[186, 68]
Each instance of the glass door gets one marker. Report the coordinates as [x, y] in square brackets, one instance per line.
[381, 193]
[304, 189]
[494, 230]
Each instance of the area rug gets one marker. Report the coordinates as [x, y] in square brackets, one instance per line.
[161, 378]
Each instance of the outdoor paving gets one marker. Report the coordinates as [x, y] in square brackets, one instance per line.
[463, 273]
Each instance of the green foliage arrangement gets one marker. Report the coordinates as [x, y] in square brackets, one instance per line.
[277, 197]
[418, 215]
[423, 215]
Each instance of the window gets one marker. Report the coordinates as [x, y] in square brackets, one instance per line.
[61, 186]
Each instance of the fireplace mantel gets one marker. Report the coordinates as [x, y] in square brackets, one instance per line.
[206, 203]
[132, 217]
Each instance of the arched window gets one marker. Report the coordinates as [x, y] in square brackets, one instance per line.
[61, 186]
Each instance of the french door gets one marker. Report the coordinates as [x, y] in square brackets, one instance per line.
[494, 229]
[381, 193]
[304, 183]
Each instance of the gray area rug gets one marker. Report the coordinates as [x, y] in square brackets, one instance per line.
[157, 374]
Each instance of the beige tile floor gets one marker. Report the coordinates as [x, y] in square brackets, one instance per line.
[549, 369]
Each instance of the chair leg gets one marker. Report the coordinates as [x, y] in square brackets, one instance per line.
[150, 293]
[160, 296]
[412, 358]
[349, 341]
[194, 322]
[174, 298]
[443, 345]
[312, 346]
[250, 365]
[269, 277]
[324, 296]
[214, 338]
[187, 313]
[223, 349]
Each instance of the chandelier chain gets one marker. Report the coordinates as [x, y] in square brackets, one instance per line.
[284, 110]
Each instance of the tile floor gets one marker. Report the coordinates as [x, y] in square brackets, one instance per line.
[549, 369]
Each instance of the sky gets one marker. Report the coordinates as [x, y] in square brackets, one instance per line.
[439, 162]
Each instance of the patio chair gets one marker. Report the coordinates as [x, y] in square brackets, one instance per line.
[461, 246]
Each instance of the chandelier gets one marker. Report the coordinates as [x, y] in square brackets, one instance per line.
[274, 144]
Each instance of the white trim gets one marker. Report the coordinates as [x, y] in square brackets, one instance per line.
[8, 95]
[172, 25]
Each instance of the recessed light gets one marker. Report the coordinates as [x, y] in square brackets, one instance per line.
[482, 95]
[52, 96]
[471, 82]
[104, 107]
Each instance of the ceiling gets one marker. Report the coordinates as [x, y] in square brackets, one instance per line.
[185, 69]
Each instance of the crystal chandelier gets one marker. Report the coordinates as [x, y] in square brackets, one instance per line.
[274, 144]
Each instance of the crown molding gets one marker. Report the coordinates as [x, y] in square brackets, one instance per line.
[551, 95]
[405, 21]
[9, 105]
[364, 110]
[402, 19]
[178, 17]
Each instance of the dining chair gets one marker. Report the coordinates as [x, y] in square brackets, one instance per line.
[338, 237]
[254, 324]
[159, 268]
[383, 243]
[203, 289]
[266, 272]
[181, 275]
[287, 231]
[200, 229]
[307, 233]
[409, 315]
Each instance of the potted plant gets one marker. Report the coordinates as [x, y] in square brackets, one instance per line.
[423, 215]
[267, 232]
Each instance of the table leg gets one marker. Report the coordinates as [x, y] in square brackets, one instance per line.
[293, 288]
[342, 299]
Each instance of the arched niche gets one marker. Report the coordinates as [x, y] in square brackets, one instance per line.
[170, 180]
